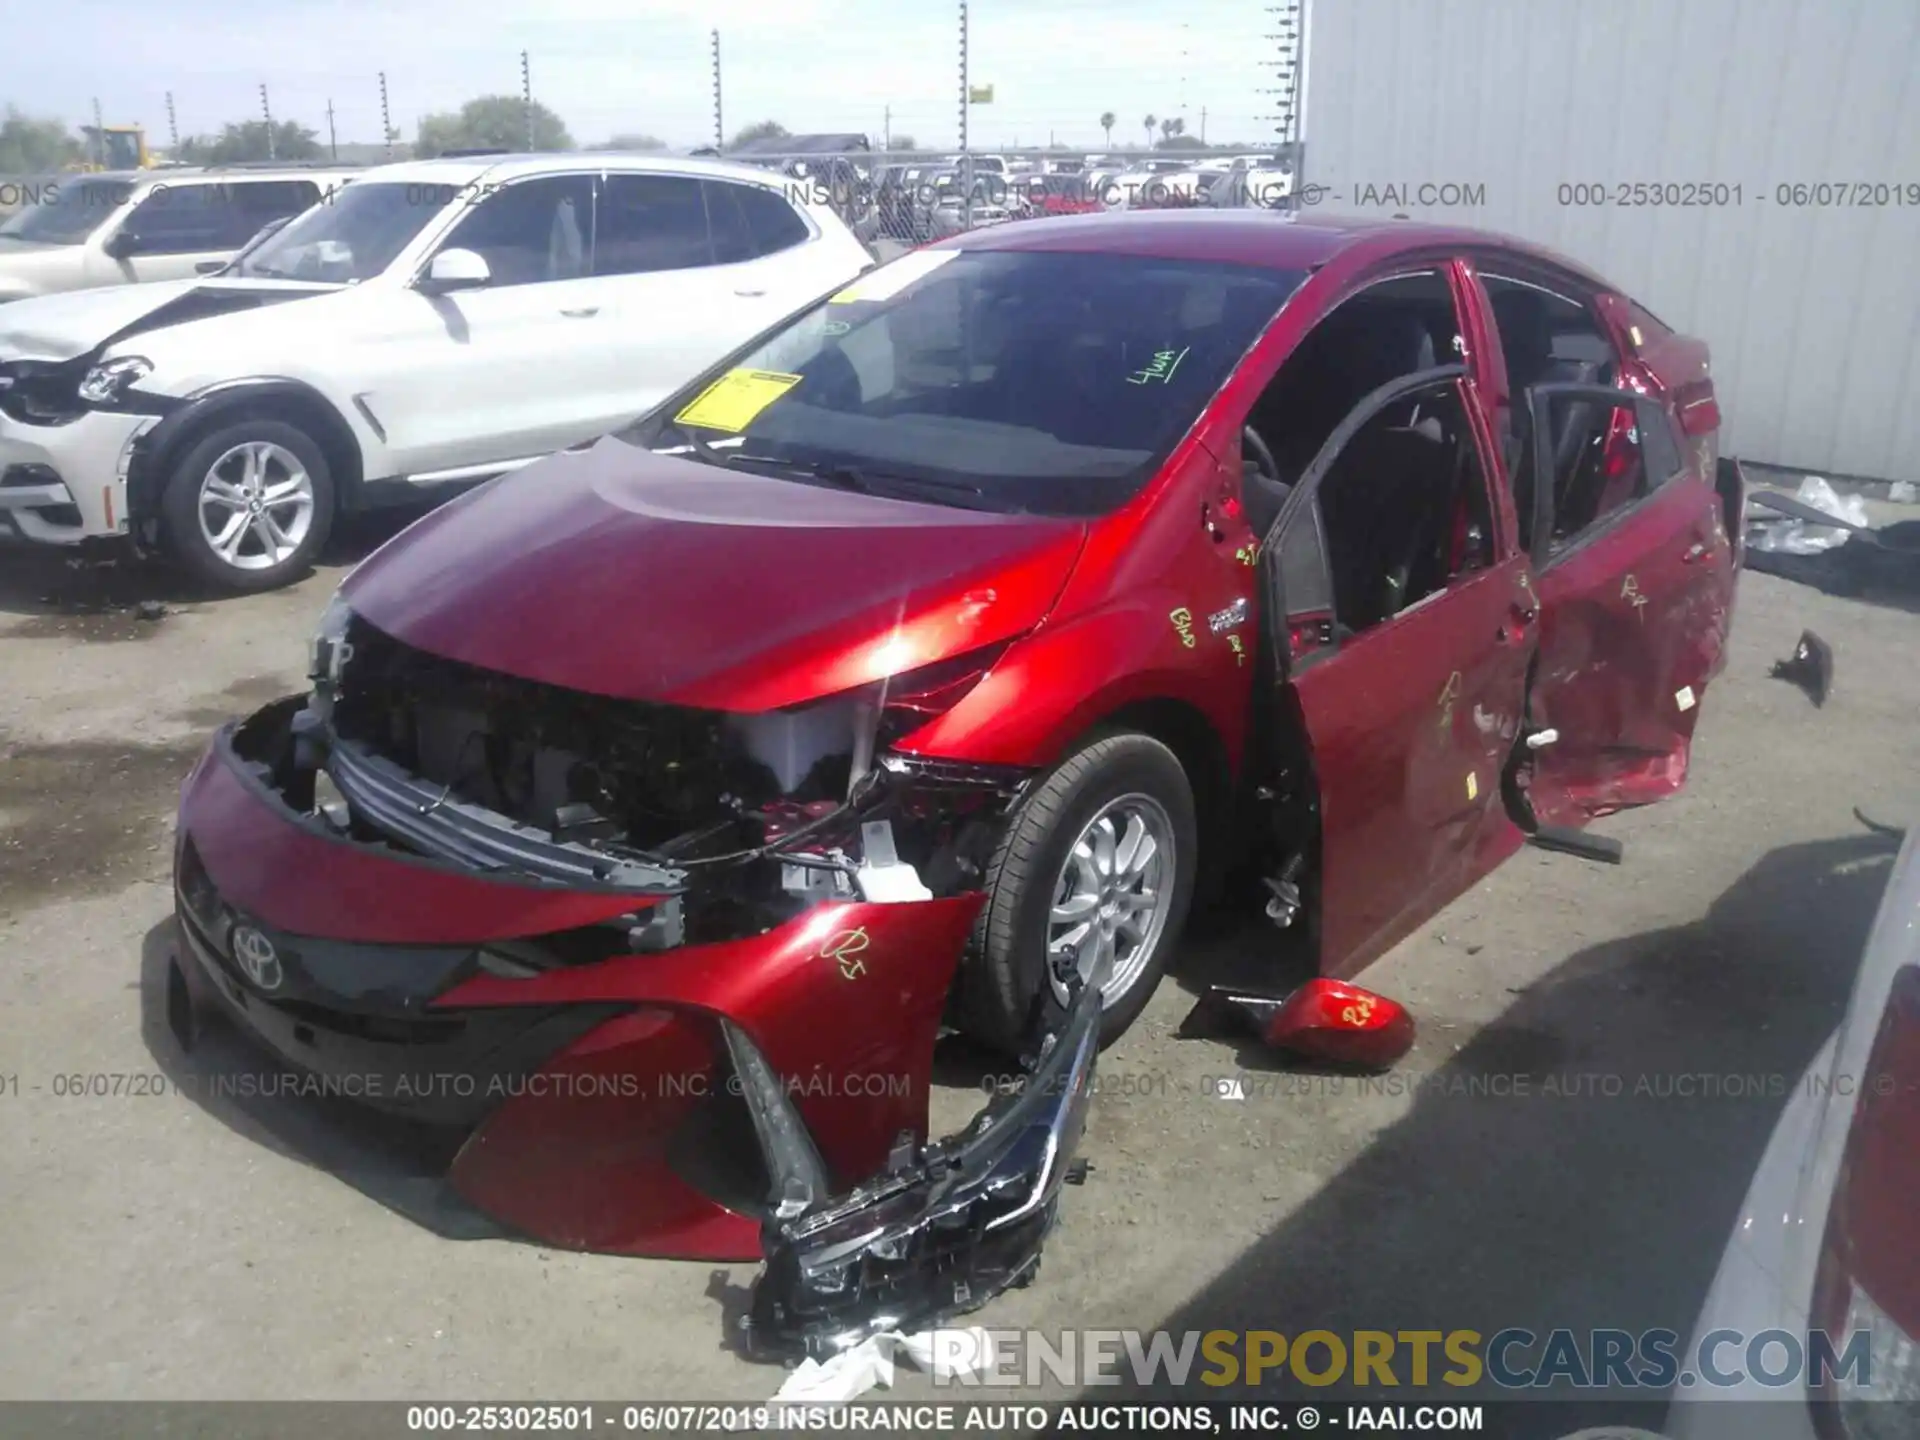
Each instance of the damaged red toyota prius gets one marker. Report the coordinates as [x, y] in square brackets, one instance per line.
[916, 668]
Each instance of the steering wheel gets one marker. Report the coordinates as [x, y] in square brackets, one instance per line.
[1264, 465]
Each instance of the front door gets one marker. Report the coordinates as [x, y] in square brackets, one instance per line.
[1403, 625]
[505, 372]
[1632, 564]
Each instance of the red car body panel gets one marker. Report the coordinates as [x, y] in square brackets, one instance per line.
[1112, 638]
[268, 864]
[636, 576]
[1634, 620]
[844, 1002]
[1410, 733]
[759, 593]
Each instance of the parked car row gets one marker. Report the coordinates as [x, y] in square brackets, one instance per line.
[425, 326]
[78, 232]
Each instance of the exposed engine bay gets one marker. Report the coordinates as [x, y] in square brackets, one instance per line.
[731, 823]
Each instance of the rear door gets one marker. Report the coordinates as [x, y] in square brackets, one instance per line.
[670, 307]
[1403, 626]
[1633, 565]
[769, 256]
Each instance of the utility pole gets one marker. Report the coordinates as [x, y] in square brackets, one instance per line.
[99, 136]
[526, 95]
[1183, 70]
[719, 127]
[966, 99]
[173, 130]
[333, 142]
[386, 117]
[1288, 49]
[266, 112]
[886, 130]
[1203, 125]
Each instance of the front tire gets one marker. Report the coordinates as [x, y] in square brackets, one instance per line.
[1097, 860]
[249, 505]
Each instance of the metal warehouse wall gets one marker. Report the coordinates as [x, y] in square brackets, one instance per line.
[1812, 311]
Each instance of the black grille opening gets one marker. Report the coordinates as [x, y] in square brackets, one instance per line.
[43, 393]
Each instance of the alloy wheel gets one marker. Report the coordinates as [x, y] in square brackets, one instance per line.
[255, 505]
[1112, 897]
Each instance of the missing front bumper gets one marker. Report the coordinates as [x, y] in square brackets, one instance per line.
[947, 1227]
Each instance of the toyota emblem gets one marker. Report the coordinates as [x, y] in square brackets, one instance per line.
[257, 957]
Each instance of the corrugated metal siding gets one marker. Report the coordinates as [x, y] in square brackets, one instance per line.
[1812, 313]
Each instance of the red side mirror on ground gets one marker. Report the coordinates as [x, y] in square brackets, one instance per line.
[1332, 1021]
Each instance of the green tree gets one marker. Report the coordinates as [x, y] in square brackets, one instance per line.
[246, 140]
[633, 142]
[1171, 128]
[903, 143]
[31, 146]
[765, 130]
[1149, 123]
[1107, 121]
[490, 122]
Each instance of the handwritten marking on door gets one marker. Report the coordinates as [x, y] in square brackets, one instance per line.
[1630, 592]
[1449, 693]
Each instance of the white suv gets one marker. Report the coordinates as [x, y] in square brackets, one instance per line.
[433, 324]
[80, 231]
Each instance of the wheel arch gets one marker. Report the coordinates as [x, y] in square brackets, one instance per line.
[292, 402]
[1184, 728]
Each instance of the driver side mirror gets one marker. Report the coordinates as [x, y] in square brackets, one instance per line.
[122, 246]
[453, 270]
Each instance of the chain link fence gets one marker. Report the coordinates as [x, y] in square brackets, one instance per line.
[895, 200]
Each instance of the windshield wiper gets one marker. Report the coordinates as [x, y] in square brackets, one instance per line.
[861, 478]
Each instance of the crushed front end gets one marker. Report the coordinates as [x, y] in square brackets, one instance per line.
[594, 935]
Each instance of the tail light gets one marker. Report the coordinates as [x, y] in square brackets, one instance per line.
[1869, 1273]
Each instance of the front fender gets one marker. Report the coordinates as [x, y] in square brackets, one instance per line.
[1058, 683]
[159, 449]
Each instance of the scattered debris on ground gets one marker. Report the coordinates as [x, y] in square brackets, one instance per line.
[1810, 667]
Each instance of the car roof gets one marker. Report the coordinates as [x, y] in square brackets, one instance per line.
[1273, 239]
[498, 169]
[174, 174]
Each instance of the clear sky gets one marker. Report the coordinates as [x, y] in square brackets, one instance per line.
[643, 66]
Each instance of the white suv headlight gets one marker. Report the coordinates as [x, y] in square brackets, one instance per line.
[105, 382]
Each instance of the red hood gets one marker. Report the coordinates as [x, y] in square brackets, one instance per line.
[641, 576]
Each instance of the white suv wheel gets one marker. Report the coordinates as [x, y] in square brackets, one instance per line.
[255, 505]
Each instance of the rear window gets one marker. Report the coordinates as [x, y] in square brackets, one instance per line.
[1052, 383]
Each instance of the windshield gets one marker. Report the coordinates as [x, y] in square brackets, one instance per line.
[69, 211]
[353, 234]
[1032, 381]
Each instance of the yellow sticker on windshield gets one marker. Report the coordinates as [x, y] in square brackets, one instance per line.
[732, 401]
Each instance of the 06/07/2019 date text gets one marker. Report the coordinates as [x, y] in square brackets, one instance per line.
[1711, 194]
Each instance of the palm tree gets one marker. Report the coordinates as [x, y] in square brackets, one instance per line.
[1107, 121]
[1150, 122]
[1171, 128]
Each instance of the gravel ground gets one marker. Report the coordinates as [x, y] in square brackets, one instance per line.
[157, 1246]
